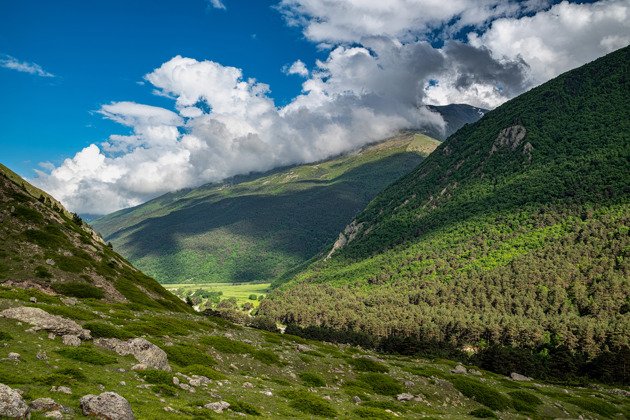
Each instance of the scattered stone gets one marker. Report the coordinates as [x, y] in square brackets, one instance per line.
[356, 400]
[372, 358]
[108, 405]
[327, 397]
[404, 397]
[248, 385]
[175, 380]
[139, 366]
[392, 413]
[56, 414]
[171, 410]
[229, 335]
[69, 301]
[51, 336]
[62, 389]
[71, 340]
[187, 387]
[409, 384]
[41, 355]
[194, 382]
[14, 356]
[267, 393]
[101, 387]
[518, 377]
[474, 372]
[217, 407]
[123, 383]
[120, 370]
[11, 403]
[33, 299]
[85, 335]
[144, 351]
[44, 404]
[246, 341]
[42, 320]
[302, 347]
[50, 261]
[459, 369]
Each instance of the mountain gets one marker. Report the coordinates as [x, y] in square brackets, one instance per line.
[515, 231]
[85, 334]
[255, 228]
[455, 116]
[46, 248]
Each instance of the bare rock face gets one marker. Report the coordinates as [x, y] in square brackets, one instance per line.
[11, 404]
[42, 320]
[144, 351]
[108, 406]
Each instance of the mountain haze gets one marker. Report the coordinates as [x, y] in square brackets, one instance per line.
[514, 231]
[254, 229]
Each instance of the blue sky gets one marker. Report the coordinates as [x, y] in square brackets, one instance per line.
[108, 104]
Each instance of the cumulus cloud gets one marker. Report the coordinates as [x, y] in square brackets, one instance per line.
[382, 65]
[13, 63]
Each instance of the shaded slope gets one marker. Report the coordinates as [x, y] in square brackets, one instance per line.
[514, 231]
[43, 247]
[257, 229]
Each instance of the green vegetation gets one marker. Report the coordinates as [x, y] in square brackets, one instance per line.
[514, 233]
[308, 403]
[483, 394]
[87, 355]
[79, 290]
[312, 379]
[225, 345]
[257, 227]
[483, 413]
[366, 365]
[188, 356]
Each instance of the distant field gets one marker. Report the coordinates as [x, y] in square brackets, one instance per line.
[239, 291]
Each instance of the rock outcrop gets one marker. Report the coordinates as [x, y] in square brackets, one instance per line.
[108, 405]
[144, 351]
[11, 404]
[42, 320]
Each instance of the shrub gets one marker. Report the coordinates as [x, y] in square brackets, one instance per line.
[524, 401]
[381, 384]
[267, 357]
[165, 389]
[308, 403]
[88, 355]
[71, 312]
[5, 336]
[99, 329]
[186, 356]
[203, 371]
[225, 345]
[157, 377]
[366, 365]
[78, 290]
[56, 379]
[483, 394]
[373, 413]
[253, 297]
[71, 264]
[244, 407]
[483, 413]
[385, 405]
[312, 379]
[593, 405]
[27, 214]
[42, 272]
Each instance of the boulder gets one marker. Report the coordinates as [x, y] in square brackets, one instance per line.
[62, 389]
[108, 405]
[42, 320]
[302, 347]
[144, 351]
[217, 407]
[404, 397]
[44, 404]
[518, 377]
[11, 404]
[459, 369]
[71, 340]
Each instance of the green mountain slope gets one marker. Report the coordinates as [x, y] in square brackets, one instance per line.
[258, 228]
[43, 246]
[514, 231]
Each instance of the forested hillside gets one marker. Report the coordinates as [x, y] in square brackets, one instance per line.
[515, 231]
[256, 229]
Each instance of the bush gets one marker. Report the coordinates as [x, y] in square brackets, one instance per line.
[243, 407]
[267, 357]
[363, 364]
[5, 336]
[483, 413]
[312, 379]
[308, 403]
[78, 290]
[385, 405]
[42, 272]
[225, 345]
[165, 389]
[88, 355]
[99, 329]
[524, 401]
[203, 371]
[186, 356]
[157, 377]
[373, 413]
[483, 394]
[381, 384]
[253, 297]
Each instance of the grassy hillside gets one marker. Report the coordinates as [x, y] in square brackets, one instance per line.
[43, 246]
[260, 227]
[514, 231]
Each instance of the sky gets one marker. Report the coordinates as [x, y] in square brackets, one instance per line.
[106, 105]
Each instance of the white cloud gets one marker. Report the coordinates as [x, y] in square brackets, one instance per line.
[217, 4]
[13, 63]
[380, 69]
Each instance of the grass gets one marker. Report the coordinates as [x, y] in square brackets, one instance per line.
[380, 384]
[78, 290]
[363, 364]
[308, 403]
[188, 355]
[225, 345]
[483, 394]
[87, 355]
[312, 379]
[240, 291]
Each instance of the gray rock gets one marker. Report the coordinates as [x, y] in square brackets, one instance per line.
[14, 356]
[41, 355]
[50, 261]
[54, 415]
[33, 299]
[144, 351]
[248, 385]
[139, 366]
[69, 301]
[62, 389]
[474, 372]
[518, 377]
[217, 407]
[42, 320]
[44, 404]
[459, 369]
[11, 403]
[85, 335]
[71, 340]
[175, 380]
[302, 347]
[404, 397]
[356, 400]
[108, 405]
